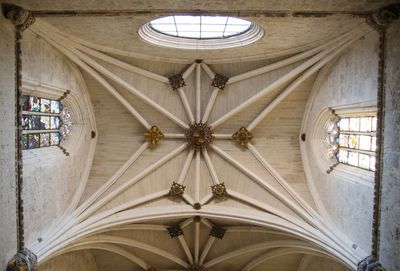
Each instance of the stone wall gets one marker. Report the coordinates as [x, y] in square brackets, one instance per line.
[8, 238]
[390, 206]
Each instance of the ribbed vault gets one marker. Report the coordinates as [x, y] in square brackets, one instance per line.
[196, 170]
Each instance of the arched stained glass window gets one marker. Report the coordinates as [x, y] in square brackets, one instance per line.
[44, 122]
[357, 141]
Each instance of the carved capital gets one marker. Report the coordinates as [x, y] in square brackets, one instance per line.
[242, 136]
[177, 81]
[175, 231]
[383, 17]
[217, 232]
[177, 189]
[219, 81]
[24, 260]
[370, 264]
[19, 16]
[153, 135]
[197, 267]
[219, 190]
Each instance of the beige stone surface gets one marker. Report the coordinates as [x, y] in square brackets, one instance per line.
[208, 5]
[283, 36]
[73, 261]
[8, 234]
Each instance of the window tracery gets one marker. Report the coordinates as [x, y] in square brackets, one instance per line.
[45, 122]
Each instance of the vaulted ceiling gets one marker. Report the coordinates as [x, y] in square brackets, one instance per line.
[239, 201]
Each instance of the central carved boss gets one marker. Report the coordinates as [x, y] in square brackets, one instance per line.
[199, 136]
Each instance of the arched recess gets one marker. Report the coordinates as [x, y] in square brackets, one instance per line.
[47, 73]
[339, 193]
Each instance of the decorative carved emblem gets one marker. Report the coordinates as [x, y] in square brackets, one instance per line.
[153, 135]
[197, 267]
[217, 232]
[177, 81]
[197, 206]
[177, 189]
[219, 81]
[384, 16]
[242, 136]
[199, 136]
[370, 264]
[24, 260]
[219, 190]
[19, 16]
[175, 231]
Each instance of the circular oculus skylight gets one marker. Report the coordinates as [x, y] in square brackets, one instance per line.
[200, 32]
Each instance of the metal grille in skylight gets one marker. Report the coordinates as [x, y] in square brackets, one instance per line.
[201, 27]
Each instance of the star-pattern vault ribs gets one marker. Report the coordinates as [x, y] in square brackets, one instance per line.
[197, 135]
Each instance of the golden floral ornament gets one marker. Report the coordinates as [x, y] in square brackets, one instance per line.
[153, 135]
[242, 136]
[219, 81]
[177, 189]
[217, 232]
[219, 190]
[199, 136]
[175, 231]
[177, 81]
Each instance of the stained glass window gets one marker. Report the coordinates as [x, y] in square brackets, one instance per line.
[44, 122]
[357, 141]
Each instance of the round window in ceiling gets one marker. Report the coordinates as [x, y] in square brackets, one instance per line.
[200, 32]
